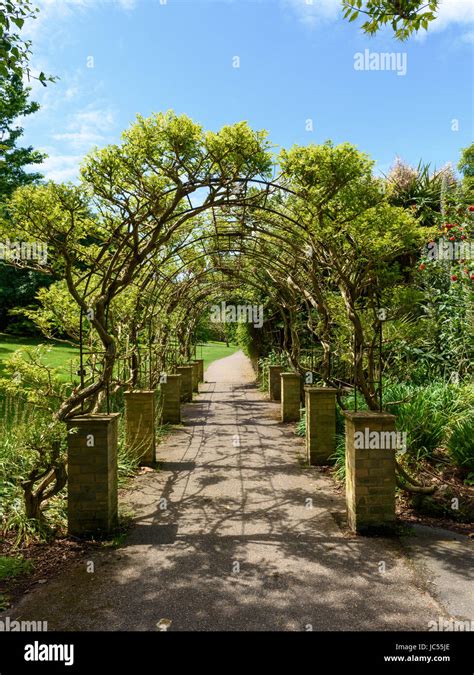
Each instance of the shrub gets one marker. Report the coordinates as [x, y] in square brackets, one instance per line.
[13, 567]
[427, 413]
[437, 415]
[461, 444]
[301, 426]
[339, 457]
[272, 359]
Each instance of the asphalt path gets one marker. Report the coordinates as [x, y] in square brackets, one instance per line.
[235, 534]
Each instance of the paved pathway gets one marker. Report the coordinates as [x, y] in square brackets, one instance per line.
[239, 546]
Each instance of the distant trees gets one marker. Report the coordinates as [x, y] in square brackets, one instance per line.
[18, 287]
[466, 167]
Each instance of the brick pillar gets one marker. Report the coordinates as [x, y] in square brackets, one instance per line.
[171, 400]
[370, 469]
[274, 382]
[320, 424]
[92, 474]
[290, 397]
[200, 363]
[140, 424]
[186, 373]
[195, 366]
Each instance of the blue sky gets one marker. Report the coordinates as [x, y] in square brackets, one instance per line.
[117, 58]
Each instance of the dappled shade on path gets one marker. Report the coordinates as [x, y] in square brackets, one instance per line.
[250, 539]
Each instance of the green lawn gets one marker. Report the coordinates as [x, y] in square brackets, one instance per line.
[61, 355]
[213, 351]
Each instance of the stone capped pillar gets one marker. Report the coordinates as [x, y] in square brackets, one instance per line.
[92, 474]
[320, 403]
[140, 425]
[290, 397]
[195, 366]
[274, 382]
[171, 400]
[200, 363]
[186, 373]
[371, 442]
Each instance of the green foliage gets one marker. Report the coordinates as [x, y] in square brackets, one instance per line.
[466, 162]
[428, 413]
[13, 567]
[127, 244]
[30, 378]
[274, 358]
[466, 167]
[57, 314]
[127, 460]
[461, 442]
[15, 52]
[42, 445]
[243, 337]
[403, 16]
[14, 104]
[214, 331]
[17, 461]
[339, 458]
[446, 301]
[433, 415]
[17, 286]
[28, 438]
[421, 416]
[63, 358]
[20, 430]
[300, 429]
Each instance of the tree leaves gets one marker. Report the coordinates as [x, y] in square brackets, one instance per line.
[404, 16]
[15, 51]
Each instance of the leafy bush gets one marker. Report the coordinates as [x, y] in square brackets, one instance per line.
[13, 567]
[436, 415]
[272, 359]
[27, 437]
[461, 444]
[428, 413]
[339, 457]
[17, 461]
[301, 426]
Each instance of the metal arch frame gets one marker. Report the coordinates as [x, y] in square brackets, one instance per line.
[245, 203]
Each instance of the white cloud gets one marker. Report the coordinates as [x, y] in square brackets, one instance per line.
[87, 128]
[453, 11]
[468, 37]
[53, 14]
[80, 139]
[61, 168]
[312, 12]
[71, 92]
